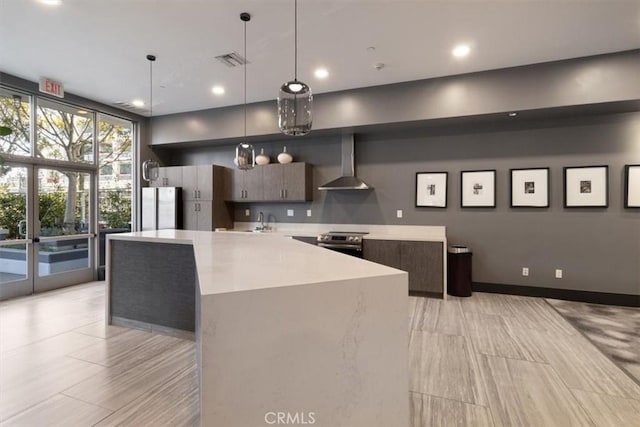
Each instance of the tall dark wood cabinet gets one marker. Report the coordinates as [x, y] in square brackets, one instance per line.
[203, 190]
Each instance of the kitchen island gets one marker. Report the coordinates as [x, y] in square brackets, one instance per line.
[284, 330]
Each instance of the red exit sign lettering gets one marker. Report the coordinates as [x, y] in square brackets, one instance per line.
[52, 87]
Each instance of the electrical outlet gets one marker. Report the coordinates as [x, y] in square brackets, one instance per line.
[289, 212]
[247, 212]
[558, 273]
[525, 271]
[308, 212]
[399, 213]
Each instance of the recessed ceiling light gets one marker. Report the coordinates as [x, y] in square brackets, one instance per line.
[218, 90]
[513, 114]
[321, 73]
[137, 103]
[461, 51]
[51, 2]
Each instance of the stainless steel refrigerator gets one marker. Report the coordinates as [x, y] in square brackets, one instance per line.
[161, 208]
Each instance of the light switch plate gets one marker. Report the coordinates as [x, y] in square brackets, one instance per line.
[399, 213]
[525, 271]
[558, 274]
[247, 212]
[289, 212]
[308, 212]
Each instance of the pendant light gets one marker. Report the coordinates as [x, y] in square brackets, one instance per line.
[245, 154]
[150, 168]
[295, 99]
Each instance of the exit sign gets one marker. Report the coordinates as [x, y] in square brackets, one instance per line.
[52, 87]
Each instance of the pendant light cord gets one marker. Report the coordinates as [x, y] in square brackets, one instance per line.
[151, 59]
[150, 89]
[245, 79]
[295, 25]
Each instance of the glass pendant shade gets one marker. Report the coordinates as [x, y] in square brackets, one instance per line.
[294, 108]
[245, 156]
[150, 170]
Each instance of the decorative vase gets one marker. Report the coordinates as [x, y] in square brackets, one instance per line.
[284, 157]
[262, 159]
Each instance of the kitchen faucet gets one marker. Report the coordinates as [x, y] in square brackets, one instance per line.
[261, 227]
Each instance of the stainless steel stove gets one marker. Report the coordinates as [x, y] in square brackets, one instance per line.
[347, 242]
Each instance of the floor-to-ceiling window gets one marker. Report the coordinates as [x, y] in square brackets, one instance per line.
[65, 180]
[116, 180]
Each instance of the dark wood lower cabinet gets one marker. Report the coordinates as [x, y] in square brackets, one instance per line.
[422, 260]
[385, 252]
[306, 239]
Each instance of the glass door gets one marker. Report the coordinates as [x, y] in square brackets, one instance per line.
[53, 159]
[16, 251]
[64, 235]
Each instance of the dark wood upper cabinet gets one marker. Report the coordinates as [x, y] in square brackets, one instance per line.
[276, 182]
[245, 185]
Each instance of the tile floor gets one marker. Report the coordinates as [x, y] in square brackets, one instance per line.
[480, 361]
[614, 330]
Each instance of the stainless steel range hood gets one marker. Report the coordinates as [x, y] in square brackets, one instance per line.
[348, 180]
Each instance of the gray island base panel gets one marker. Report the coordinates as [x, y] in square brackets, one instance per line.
[286, 327]
[154, 286]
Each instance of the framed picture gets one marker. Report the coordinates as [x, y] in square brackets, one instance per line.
[478, 189]
[586, 186]
[431, 189]
[530, 188]
[632, 186]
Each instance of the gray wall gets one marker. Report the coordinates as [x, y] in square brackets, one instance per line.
[582, 81]
[598, 249]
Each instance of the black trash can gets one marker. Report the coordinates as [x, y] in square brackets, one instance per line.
[459, 271]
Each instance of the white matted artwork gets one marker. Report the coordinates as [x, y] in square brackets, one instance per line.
[478, 189]
[530, 188]
[431, 189]
[586, 186]
[632, 186]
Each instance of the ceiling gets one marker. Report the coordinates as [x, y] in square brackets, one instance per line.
[97, 48]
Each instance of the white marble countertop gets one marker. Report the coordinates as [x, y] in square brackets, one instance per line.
[375, 231]
[232, 262]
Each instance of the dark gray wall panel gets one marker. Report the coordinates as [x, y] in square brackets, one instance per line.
[597, 79]
[154, 283]
[598, 249]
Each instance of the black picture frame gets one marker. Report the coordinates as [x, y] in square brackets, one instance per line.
[530, 203]
[578, 183]
[631, 190]
[468, 195]
[423, 178]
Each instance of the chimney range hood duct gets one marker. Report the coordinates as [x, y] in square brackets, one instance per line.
[348, 180]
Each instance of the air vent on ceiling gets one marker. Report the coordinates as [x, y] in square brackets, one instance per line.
[127, 106]
[232, 59]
